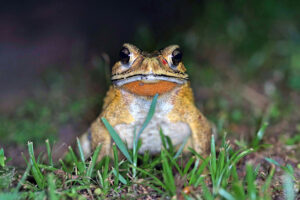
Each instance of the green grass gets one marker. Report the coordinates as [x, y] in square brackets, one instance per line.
[159, 173]
[165, 175]
[252, 44]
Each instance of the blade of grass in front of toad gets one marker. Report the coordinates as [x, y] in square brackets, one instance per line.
[2, 158]
[250, 178]
[213, 162]
[156, 180]
[115, 136]
[75, 161]
[237, 185]
[23, 179]
[259, 135]
[49, 152]
[266, 185]
[37, 174]
[192, 174]
[149, 117]
[103, 175]
[120, 177]
[81, 155]
[206, 192]
[163, 139]
[173, 162]
[134, 153]
[63, 165]
[196, 176]
[226, 194]
[51, 187]
[180, 150]
[168, 174]
[288, 168]
[116, 164]
[94, 160]
[136, 147]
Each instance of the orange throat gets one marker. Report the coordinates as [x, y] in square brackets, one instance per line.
[149, 89]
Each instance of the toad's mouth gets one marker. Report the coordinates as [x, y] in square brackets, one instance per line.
[149, 85]
[148, 78]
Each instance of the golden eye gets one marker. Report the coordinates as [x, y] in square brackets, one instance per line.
[124, 55]
[176, 57]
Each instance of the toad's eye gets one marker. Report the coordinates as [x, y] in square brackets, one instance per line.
[176, 57]
[124, 55]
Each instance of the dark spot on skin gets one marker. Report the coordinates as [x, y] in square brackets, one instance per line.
[200, 117]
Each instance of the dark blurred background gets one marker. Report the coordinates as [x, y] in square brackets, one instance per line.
[55, 57]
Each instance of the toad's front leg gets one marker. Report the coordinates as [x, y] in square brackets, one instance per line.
[185, 111]
[115, 112]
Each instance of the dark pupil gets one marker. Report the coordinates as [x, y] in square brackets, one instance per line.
[176, 57]
[124, 55]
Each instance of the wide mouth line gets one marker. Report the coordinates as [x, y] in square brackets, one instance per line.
[149, 77]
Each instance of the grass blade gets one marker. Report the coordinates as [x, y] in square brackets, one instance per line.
[93, 161]
[157, 180]
[49, 152]
[238, 190]
[75, 161]
[116, 164]
[206, 193]
[181, 148]
[250, 177]
[267, 183]
[81, 153]
[193, 172]
[198, 177]
[104, 182]
[64, 168]
[226, 194]
[174, 163]
[259, 135]
[169, 145]
[167, 174]
[163, 139]
[24, 177]
[38, 176]
[149, 116]
[2, 158]
[120, 177]
[134, 153]
[51, 187]
[117, 139]
[240, 156]
[213, 159]
[189, 164]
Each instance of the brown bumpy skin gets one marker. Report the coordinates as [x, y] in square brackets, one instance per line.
[185, 111]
